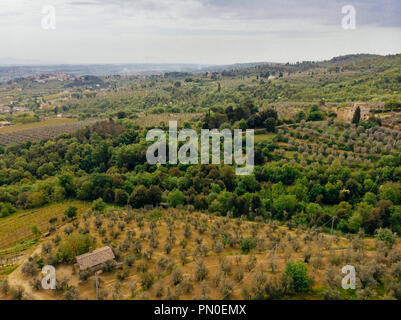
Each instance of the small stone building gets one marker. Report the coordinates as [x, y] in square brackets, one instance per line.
[164, 205]
[347, 113]
[93, 260]
[4, 124]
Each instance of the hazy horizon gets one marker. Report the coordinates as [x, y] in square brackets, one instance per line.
[23, 63]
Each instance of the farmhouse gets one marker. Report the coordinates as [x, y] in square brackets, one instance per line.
[5, 109]
[347, 114]
[365, 110]
[93, 260]
[4, 124]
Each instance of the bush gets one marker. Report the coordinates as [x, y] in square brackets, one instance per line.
[84, 275]
[201, 272]
[175, 198]
[176, 277]
[17, 293]
[4, 287]
[74, 245]
[29, 269]
[129, 260]
[6, 209]
[71, 212]
[247, 245]
[147, 280]
[98, 205]
[386, 235]
[298, 272]
[71, 293]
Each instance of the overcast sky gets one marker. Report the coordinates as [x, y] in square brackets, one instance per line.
[196, 31]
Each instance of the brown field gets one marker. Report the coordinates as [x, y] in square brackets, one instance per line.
[153, 229]
[37, 131]
[34, 125]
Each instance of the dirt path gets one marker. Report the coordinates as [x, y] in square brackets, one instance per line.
[16, 278]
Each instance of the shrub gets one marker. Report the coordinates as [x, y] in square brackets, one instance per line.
[176, 277]
[147, 280]
[129, 260]
[4, 287]
[71, 293]
[98, 205]
[175, 198]
[247, 244]
[6, 209]
[226, 289]
[386, 235]
[298, 272]
[108, 266]
[17, 293]
[74, 245]
[201, 272]
[29, 269]
[71, 212]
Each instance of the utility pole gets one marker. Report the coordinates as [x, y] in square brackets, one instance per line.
[97, 286]
[97, 283]
[275, 258]
[332, 224]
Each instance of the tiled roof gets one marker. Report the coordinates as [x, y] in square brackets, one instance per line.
[94, 258]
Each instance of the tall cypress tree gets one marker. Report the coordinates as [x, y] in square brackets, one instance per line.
[357, 116]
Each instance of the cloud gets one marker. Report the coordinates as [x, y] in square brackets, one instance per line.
[208, 31]
[381, 13]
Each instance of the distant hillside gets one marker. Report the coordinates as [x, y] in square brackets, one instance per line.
[9, 72]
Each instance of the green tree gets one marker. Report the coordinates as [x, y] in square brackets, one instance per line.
[247, 244]
[154, 195]
[391, 191]
[139, 197]
[67, 182]
[270, 124]
[98, 205]
[284, 204]
[74, 245]
[120, 197]
[175, 198]
[298, 272]
[357, 116]
[71, 212]
[386, 235]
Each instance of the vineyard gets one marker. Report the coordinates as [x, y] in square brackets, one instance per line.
[42, 131]
[17, 228]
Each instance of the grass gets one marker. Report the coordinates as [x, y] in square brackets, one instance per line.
[23, 245]
[17, 228]
[5, 271]
[263, 137]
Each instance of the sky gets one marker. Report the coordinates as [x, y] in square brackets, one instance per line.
[195, 31]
